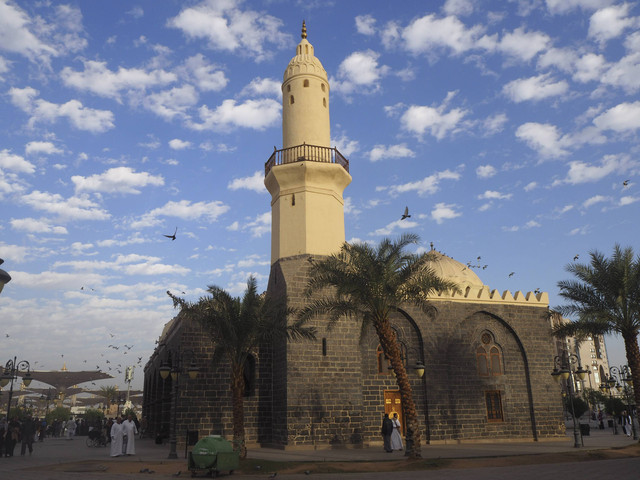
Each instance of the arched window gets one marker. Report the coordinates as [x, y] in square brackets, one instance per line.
[481, 360]
[291, 100]
[322, 86]
[324, 102]
[496, 361]
[489, 357]
[288, 88]
[305, 83]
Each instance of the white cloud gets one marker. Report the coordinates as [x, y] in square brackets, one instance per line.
[530, 186]
[458, 7]
[33, 225]
[544, 138]
[443, 211]
[45, 148]
[17, 253]
[622, 117]
[345, 145]
[393, 226]
[365, 25]
[610, 22]
[628, 200]
[382, 152]
[565, 6]
[582, 172]
[595, 200]
[260, 225]
[73, 208]
[226, 27]
[534, 88]
[493, 195]
[16, 35]
[263, 87]
[98, 79]
[121, 180]
[254, 182]
[485, 171]
[177, 144]
[427, 185]
[205, 75]
[436, 121]
[253, 114]
[80, 117]
[523, 45]
[172, 103]
[359, 73]
[184, 209]
[429, 32]
[494, 124]
[16, 163]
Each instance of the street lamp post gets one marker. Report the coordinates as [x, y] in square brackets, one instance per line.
[177, 368]
[624, 385]
[607, 385]
[563, 369]
[12, 370]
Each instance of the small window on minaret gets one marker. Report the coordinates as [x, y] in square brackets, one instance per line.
[322, 86]
[291, 100]
[293, 199]
[306, 49]
[288, 88]
[305, 83]
[324, 102]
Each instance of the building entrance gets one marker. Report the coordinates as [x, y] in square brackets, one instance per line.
[393, 404]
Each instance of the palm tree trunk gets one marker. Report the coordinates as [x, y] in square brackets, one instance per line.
[237, 401]
[633, 359]
[390, 347]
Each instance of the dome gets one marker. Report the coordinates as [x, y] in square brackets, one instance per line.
[305, 62]
[449, 269]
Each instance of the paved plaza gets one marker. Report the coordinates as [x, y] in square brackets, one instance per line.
[58, 459]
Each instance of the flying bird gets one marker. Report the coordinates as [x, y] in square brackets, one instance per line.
[576, 257]
[405, 214]
[6, 335]
[172, 237]
[536, 291]
[625, 183]
[512, 274]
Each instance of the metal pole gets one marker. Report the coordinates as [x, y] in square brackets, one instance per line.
[12, 373]
[173, 440]
[576, 432]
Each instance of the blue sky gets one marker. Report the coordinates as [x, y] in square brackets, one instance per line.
[509, 129]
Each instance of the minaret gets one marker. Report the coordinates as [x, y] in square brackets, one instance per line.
[307, 177]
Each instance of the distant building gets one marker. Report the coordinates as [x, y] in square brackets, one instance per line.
[488, 356]
[591, 352]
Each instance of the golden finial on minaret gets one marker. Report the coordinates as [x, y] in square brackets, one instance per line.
[304, 30]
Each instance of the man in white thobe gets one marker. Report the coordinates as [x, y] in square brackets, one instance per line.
[130, 432]
[71, 428]
[117, 432]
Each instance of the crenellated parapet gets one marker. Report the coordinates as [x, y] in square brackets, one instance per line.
[476, 294]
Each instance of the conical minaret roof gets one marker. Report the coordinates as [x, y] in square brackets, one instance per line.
[305, 61]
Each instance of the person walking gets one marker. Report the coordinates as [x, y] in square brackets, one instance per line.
[387, 430]
[11, 437]
[130, 432]
[396, 437]
[625, 419]
[71, 428]
[117, 434]
[27, 433]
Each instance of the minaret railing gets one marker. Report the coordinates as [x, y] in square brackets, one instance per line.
[305, 153]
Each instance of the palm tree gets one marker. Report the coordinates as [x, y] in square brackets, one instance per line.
[238, 326]
[109, 393]
[605, 298]
[368, 284]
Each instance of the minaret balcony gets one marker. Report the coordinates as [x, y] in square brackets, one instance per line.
[305, 153]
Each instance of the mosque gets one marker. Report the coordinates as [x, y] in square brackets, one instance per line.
[480, 363]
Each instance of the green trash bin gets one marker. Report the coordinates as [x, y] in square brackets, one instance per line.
[213, 454]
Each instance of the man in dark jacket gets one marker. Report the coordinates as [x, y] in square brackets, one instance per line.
[387, 430]
[27, 432]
